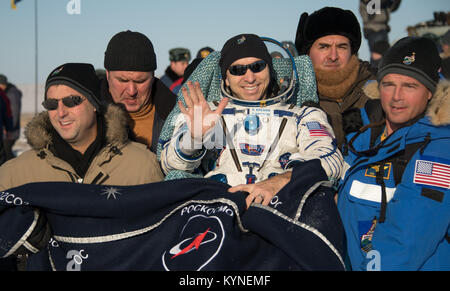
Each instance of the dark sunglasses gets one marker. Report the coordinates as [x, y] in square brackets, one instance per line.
[240, 70]
[69, 101]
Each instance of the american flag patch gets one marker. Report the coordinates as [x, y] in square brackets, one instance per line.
[316, 129]
[432, 174]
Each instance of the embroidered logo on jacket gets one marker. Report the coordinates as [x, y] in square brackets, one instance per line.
[366, 238]
[372, 171]
[251, 150]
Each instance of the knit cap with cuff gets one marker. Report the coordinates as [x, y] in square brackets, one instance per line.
[416, 57]
[130, 51]
[80, 77]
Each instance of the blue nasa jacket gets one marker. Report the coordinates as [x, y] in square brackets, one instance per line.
[394, 198]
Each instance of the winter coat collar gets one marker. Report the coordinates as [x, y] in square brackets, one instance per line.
[344, 90]
[163, 99]
[171, 74]
[438, 109]
[38, 130]
[334, 85]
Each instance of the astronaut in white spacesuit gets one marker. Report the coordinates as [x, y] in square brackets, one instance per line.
[256, 136]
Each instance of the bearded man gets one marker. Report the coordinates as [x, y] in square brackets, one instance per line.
[331, 37]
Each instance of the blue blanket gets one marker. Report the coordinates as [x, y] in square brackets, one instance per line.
[187, 224]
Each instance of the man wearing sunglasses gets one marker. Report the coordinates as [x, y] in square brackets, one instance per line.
[130, 64]
[253, 137]
[78, 140]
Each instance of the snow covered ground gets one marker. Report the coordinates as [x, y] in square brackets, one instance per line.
[21, 144]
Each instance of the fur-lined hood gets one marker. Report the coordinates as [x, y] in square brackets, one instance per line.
[39, 137]
[439, 107]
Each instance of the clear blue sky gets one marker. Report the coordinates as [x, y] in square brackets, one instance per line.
[168, 23]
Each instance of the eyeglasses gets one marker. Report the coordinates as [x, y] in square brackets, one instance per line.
[69, 101]
[240, 70]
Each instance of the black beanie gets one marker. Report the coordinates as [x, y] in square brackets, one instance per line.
[243, 46]
[327, 21]
[80, 77]
[130, 51]
[416, 57]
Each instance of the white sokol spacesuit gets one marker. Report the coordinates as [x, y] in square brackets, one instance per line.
[260, 139]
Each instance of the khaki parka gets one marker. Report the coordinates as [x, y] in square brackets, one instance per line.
[121, 162]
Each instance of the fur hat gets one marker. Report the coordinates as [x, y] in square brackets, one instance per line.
[416, 57]
[179, 54]
[130, 51]
[327, 21]
[80, 77]
[243, 46]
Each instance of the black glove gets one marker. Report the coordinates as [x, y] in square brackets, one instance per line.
[38, 239]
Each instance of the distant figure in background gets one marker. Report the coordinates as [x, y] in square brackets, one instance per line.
[290, 46]
[276, 55]
[376, 23]
[445, 45]
[445, 55]
[379, 48]
[5, 122]
[179, 60]
[204, 52]
[14, 96]
[445, 69]
[187, 72]
[201, 54]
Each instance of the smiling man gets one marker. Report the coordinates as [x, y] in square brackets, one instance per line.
[76, 140]
[251, 87]
[394, 198]
[331, 37]
[402, 98]
[253, 136]
[130, 64]
[78, 128]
